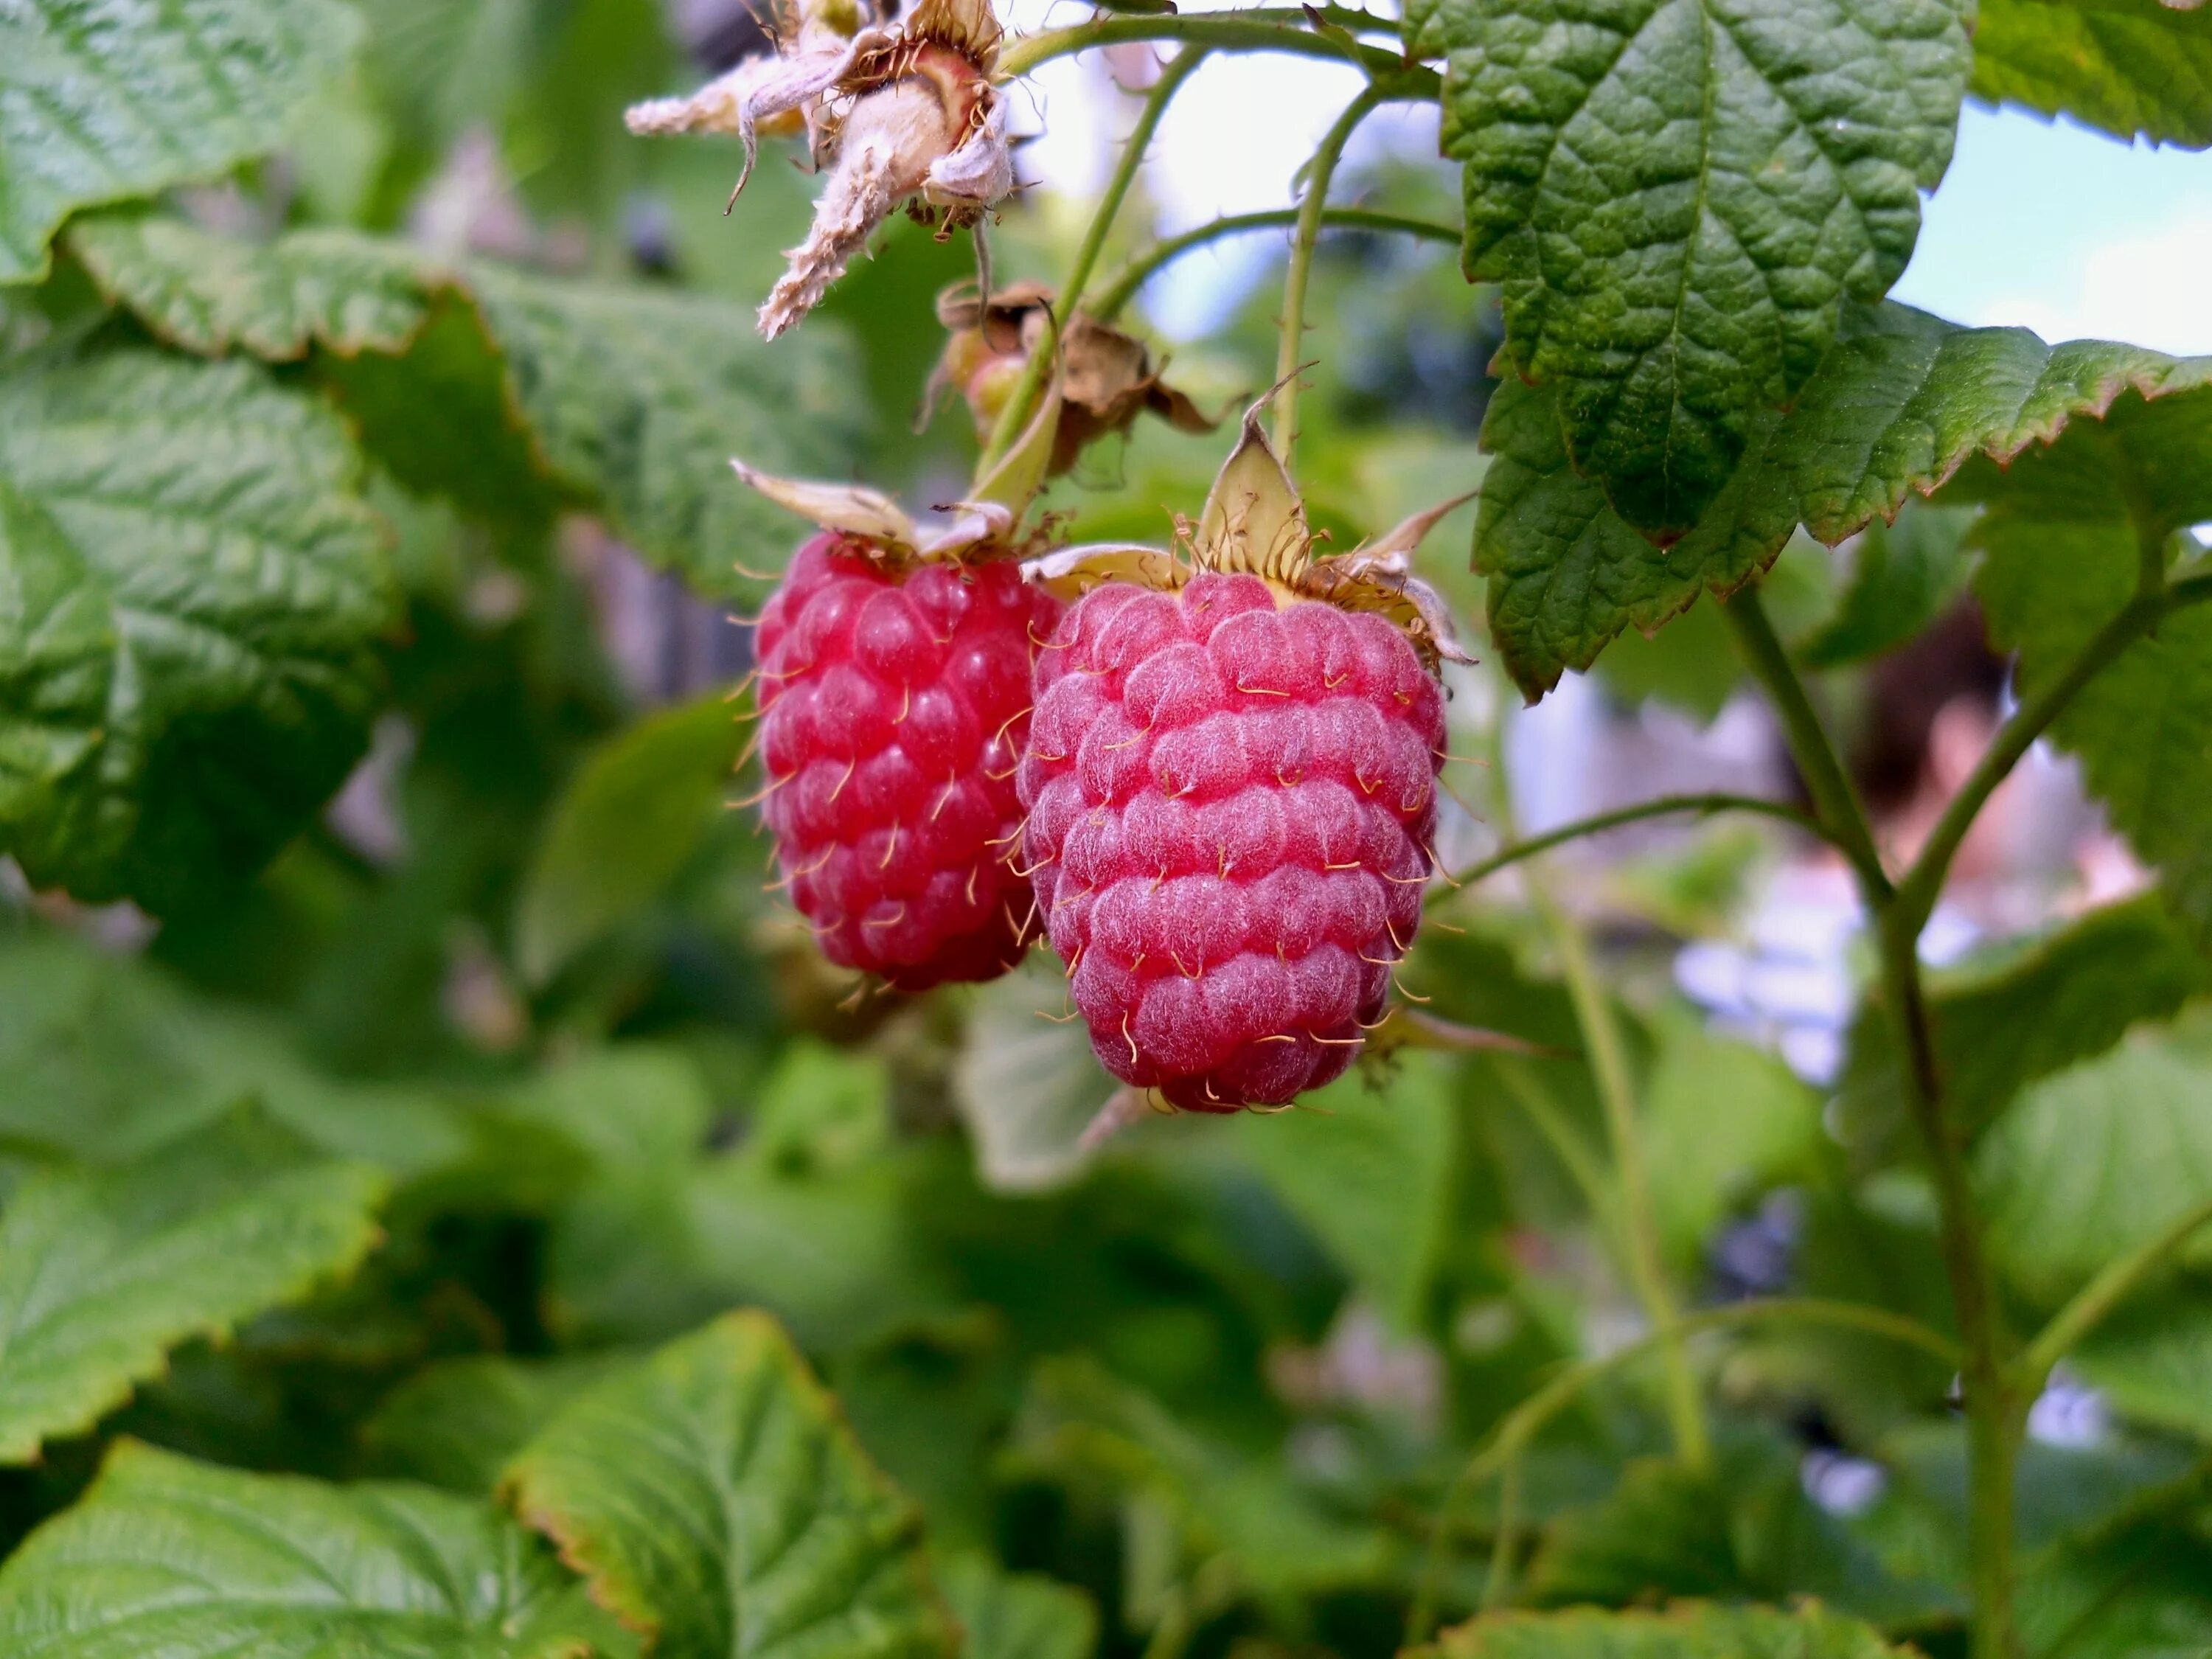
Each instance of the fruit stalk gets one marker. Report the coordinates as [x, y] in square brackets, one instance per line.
[1319, 171]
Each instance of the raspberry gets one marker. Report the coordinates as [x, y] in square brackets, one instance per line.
[1231, 803]
[895, 704]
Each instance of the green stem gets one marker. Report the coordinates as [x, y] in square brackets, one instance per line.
[1664, 806]
[1923, 885]
[1635, 1228]
[1639, 1230]
[1319, 171]
[1834, 798]
[1566, 1140]
[1995, 1415]
[1015, 416]
[1262, 29]
[1519, 1427]
[2095, 1301]
[1123, 286]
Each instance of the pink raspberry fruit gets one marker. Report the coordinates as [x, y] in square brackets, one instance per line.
[893, 705]
[1231, 806]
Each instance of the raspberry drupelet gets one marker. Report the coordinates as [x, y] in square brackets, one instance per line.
[894, 704]
[1231, 796]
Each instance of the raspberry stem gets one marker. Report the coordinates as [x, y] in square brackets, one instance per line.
[1141, 269]
[1035, 373]
[1319, 171]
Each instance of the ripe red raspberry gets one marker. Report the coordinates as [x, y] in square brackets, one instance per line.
[1231, 803]
[894, 704]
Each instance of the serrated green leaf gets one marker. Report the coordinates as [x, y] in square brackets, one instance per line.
[1901, 404]
[1016, 1615]
[102, 1274]
[2064, 538]
[2128, 66]
[714, 1499]
[1691, 1631]
[456, 1425]
[2097, 1159]
[631, 400]
[1997, 1030]
[636, 810]
[190, 596]
[101, 103]
[171, 1557]
[212, 294]
[1679, 195]
[1902, 575]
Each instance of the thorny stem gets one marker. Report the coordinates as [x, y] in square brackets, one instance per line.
[1518, 1430]
[1636, 1228]
[1319, 173]
[1996, 1414]
[1261, 29]
[1141, 268]
[1035, 373]
[1663, 806]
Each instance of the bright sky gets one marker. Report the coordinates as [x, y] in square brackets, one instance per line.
[2049, 225]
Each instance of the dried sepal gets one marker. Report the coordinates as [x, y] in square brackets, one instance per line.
[897, 112]
[1069, 573]
[1107, 378]
[854, 509]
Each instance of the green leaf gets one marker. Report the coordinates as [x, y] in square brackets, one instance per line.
[1368, 1170]
[190, 597]
[171, 1557]
[1999, 1028]
[2128, 66]
[212, 294]
[2152, 1360]
[632, 816]
[1742, 1530]
[632, 399]
[1899, 404]
[1724, 1121]
[2065, 535]
[104, 104]
[1016, 1615]
[1679, 195]
[1026, 1082]
[1691, 1631]
[457, 1424]
[2097, 1159]
[715, 1501]
[102, 1274]
[1902, 575]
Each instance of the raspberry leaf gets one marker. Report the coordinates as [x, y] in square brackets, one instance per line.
[715, 1501]
[1691, 1631]
[104, 104]
[2132, 67]
[101, 1272]
[168, 1555]
[188, 664]
[636, 810]
[1679, 195]
[2095, 1160]
[1900, 404]
[1018, 1615]
[625, 400]
[1026, 1082]
[456, 1423]
[2000, 1027]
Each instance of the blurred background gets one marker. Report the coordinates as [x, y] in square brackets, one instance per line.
[1216, 1373]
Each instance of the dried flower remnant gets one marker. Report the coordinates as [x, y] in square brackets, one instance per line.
[1107, 378]
[899, 113]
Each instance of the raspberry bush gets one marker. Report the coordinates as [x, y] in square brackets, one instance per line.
[588, 1070]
